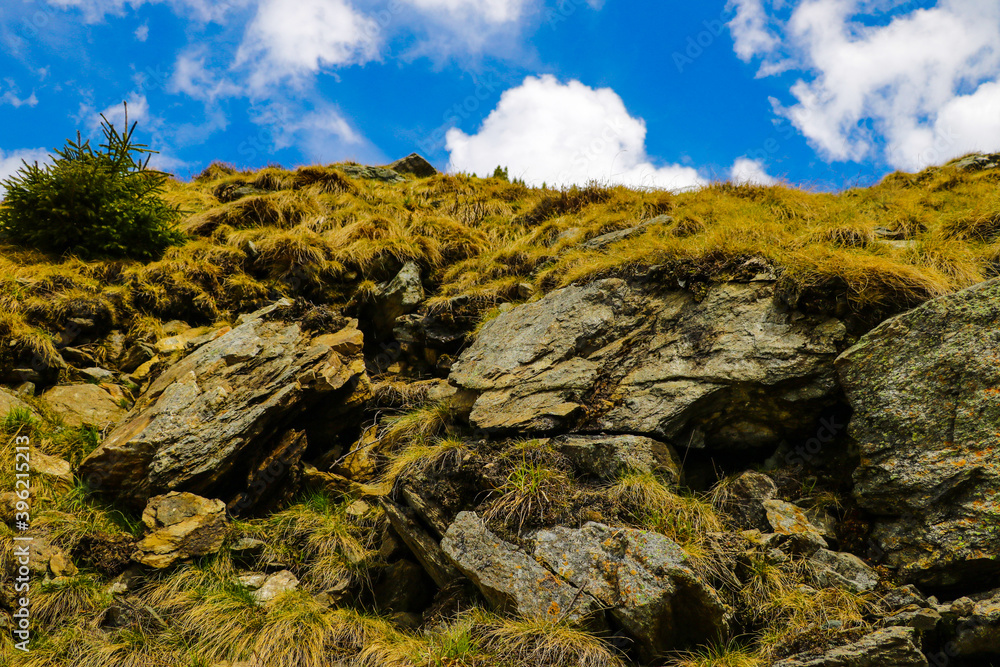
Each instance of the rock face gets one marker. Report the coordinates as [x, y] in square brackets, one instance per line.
[732, 370]
[607, 456]
[641, 578]
[218, 418]
[512, 580]
[791, 522]
[891, 647]
[181, 525]
[415, 164]
[83, 404]
[924, 388]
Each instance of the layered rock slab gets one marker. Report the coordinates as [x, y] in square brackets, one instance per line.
[220, 412]
[512, 580]
[641, 578]
[925, 388]
[732, 370]
[890, 647]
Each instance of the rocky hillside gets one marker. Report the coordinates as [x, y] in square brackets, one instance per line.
[381, 416]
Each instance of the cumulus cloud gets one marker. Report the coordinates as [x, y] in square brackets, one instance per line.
[751, 35]
[562, 134]
[745, 170]
[915, 88]
[11, 161]
[295, 37]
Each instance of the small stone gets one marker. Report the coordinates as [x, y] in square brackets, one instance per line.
[963, 607]
[275, 585]
[61, 565]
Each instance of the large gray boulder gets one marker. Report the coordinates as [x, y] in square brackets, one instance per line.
[219, 417]
[513, 581]
[890, 647]
[642, 579]
[924, 388]
[730, 370]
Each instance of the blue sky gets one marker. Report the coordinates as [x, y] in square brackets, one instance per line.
[823, 94]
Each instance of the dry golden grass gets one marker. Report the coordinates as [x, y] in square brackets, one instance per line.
[322, 234]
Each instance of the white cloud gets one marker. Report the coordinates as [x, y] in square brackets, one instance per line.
[489, 11]
[745, 170]
[751, 36]
[12, 96]
[547, 131]
[194, 78]
[11, 161]
[295, 37]
[201, 10]
[916, 88]
[142, 32]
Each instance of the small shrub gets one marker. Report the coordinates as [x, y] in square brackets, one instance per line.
[92, 202]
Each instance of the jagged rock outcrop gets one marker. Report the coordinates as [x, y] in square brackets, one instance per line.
[924, 388]
[889, 647]
[415, 164]
[731, 370]
[512, 580]
[218, 419]
[641, 578]
[180, 526]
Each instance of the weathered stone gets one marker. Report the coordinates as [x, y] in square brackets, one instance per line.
[914, 617]
[9, 401]
[275, 585]
[400, 296]
[890, 647]
[180, 526]
[415, 164]
[189, 340]
[217, 416]
[52, 467]
[425, 548]
[788, 520]
[732, 370]
[97, 375]
[923, 386]
[77, 357]
[607, 456]
[513, 581]
[842, 570]
[978, 632]
[642, 579]
[83, 404]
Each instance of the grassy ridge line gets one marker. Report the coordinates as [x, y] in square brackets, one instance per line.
[317, 232]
